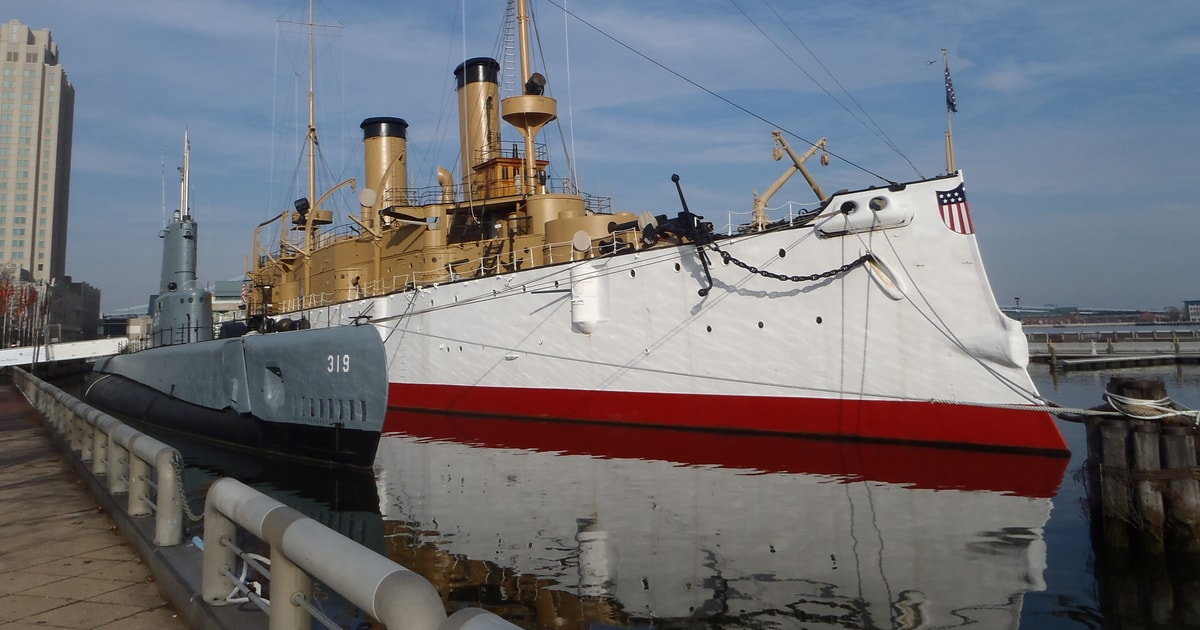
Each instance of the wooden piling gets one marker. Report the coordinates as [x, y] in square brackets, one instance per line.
[1124, 595]
[1147, 494]
[1114, 489]
[1136, 388]
[1187, 598]
[1147, 498]
[1160, 596]
[1179, 454]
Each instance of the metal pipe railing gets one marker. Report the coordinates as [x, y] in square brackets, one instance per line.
[303, 549]
[132, 463]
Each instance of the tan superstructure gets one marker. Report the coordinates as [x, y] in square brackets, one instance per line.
[503, 214]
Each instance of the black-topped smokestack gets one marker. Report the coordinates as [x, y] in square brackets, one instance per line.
[478, 89]
[384, 126]
[477, 70]
[385, 160]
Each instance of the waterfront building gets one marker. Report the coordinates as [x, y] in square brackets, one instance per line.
[37, 105]
[74, 311]
[1192, 310]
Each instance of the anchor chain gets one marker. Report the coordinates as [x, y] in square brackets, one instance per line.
[728, 258]
[177, 464]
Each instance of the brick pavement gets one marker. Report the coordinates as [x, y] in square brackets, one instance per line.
[63, 564]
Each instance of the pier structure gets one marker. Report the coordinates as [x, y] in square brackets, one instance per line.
[70, 351]
[1144, 483]
[1143, 495]
[1072, 351]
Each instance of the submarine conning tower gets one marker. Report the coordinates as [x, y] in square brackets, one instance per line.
[182, 311]
[385, 142]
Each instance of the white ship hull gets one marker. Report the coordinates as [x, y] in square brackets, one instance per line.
[911, 347]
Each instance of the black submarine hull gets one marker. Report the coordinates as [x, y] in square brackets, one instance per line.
[323, 445]
[318, 396]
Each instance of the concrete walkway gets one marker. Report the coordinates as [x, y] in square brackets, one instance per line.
[63, 564]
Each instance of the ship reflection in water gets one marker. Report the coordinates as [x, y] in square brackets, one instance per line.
[577, 526]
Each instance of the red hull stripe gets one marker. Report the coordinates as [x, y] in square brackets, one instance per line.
[848, 461]
[895, 421]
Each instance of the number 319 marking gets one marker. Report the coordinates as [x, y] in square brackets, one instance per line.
[338, 363]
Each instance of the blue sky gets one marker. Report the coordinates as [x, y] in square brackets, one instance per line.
[1078, 128]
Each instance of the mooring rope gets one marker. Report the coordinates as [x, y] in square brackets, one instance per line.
[1146, 409]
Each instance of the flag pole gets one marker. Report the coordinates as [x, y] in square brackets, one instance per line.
[951, 107]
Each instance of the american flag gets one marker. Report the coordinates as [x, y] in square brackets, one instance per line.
[951, 101]
[955, 213]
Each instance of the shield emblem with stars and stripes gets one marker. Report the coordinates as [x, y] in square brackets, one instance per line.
[955, 213]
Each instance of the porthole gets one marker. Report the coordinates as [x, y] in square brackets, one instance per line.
[849, 207]
[819, 319]
[782, 252]
[677, 267]
[632, 273]
[878, 203]
[708, 328]
[760, 324]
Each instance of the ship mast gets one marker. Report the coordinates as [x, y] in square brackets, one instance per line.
[530, 111]
[185, 210]
[951, 107]
[312, 124]
[523, 39]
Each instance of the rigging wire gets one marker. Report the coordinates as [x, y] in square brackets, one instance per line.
[570, 105]
[442, 128]
[724, 99]
[935, 319]
[873, 127]
[537, 35]
[651, 257]
[274, 118]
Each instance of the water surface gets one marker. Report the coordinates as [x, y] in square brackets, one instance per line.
[575, 526]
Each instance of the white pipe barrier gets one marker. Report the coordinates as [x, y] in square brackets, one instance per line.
[124, 456]
[302, 547]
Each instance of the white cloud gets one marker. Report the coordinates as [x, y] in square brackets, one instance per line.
[1090, 105]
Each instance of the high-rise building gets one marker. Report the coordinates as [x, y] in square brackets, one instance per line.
[37, 107]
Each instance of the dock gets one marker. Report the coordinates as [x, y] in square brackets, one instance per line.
[1077, 351]
[70, 351]
[62, 562]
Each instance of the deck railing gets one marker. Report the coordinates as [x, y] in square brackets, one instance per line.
[485, 266]
[303, 549]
